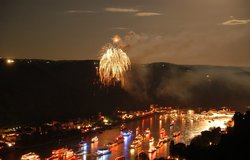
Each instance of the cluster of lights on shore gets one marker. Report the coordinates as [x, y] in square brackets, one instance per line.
[10, 61]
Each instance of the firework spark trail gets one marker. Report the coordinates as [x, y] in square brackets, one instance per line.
[113, 64]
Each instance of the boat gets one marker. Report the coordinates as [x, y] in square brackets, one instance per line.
[81, 152]
[126, 133]
[111, 144]
[30, 156]
[176, 134]
[103, 151]
[62, 153]
[171, 123]
[10, 143]
[120, 158]
[160, 117]
[164, 139]
[159, 144]
[135, 144]
[94, 139]
[162, 132]
[119, 139]
[83, 144]
[139, 137]
[151, 139]
[83, 148]
[123, 127]
[147, 131]
[152, 149]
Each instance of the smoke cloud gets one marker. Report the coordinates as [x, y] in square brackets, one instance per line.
[187, 85]
[189, 48]
[181, 85]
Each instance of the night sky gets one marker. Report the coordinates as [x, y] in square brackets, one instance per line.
[215, 32]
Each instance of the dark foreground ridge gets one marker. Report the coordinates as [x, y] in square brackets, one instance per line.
[42, 90]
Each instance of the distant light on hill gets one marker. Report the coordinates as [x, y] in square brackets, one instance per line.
[10, 61]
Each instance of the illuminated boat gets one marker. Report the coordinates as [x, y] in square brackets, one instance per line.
[126, 133]
[151, 139]
[94, 139]
[132, 146]
[30, 156]
[152, 149]
[160, 117]
[164, 139]
[62, 154]
[123, 127]
[83, 148]
[139, 137]
[172, 123]
[10, 143]
[159, 144]
[120, 158]
[176, 134]
[162, 131]
[135, 144]
[103, 151]
[147, 131]
[119, 139]
[83, 144]
[111, 144]
[137, 129]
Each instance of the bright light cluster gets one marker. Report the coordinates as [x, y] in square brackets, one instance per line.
[113, 64]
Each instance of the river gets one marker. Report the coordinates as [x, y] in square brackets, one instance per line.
[189, 128]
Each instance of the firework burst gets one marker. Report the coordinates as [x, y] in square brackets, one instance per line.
[113, 64]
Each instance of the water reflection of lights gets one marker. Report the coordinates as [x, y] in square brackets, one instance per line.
[151, 144]
[84, 157]
[85, 147]
[160, 124]
[206, 125]
[125, 140]
[104, 157]
[152, 156]
[132, 151]
[190, 122]
[151, 122]
[217, 123]
[115, 148]
[189, 127]
[142, 124]
[94, 147]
